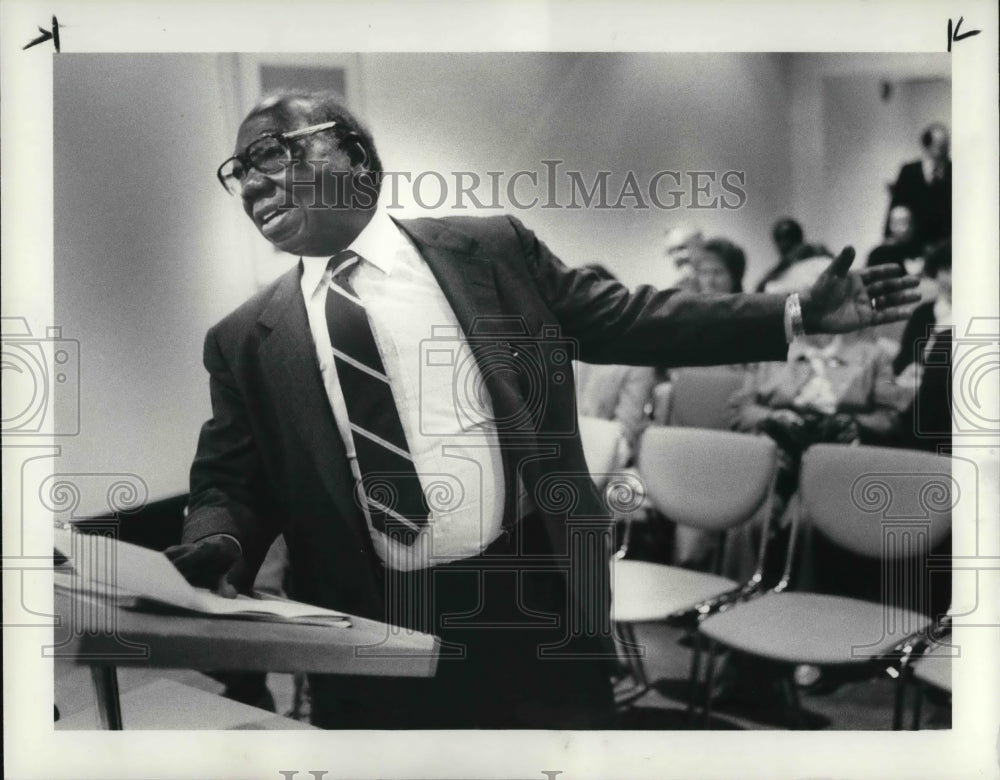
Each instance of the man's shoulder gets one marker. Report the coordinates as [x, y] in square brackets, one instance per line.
[243, 317]
[912, 169]
[499, 234]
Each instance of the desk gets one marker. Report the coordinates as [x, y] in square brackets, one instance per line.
[98, 633]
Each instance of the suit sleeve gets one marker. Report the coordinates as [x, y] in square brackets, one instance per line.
[226, 476]
[654, 327]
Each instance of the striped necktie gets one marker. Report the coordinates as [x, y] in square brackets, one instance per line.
[388, 484]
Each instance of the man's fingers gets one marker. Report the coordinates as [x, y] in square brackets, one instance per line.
[893, 314]
[842, 264]
[897, 299]
[225, 588]
[882, 271]
[888, 286]
[178, 551]
[229, 584]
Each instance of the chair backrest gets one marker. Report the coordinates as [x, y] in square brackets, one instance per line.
[661, 402]
[707, 479]
[700, 396]
[602, 442]
[877, 501]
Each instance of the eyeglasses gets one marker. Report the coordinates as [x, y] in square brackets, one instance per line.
[268, 154]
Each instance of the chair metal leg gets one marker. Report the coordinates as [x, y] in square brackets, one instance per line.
[792, 703]
[637, 670]
[899, 700]
[918, 699]
[109, 707]
[709, 681]
[694, 674]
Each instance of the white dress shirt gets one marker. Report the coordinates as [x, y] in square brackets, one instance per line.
[450, 433]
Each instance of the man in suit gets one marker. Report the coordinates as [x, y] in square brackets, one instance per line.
[924, 186]
[400, 406]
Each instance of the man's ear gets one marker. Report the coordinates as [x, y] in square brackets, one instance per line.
[354, 147]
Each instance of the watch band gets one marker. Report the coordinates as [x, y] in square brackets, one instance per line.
[794, 327]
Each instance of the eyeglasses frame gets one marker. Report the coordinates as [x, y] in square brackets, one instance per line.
[244, 160]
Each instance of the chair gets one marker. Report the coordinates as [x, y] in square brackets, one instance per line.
[603, 443]
[928, 667]
[876, 502]
[711, 480]
[700, 396]
[931, 670]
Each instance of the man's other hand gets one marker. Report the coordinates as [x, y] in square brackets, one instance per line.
[842, 300]
[214, 562]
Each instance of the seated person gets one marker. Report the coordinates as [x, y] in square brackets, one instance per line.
[720, 267]
[801, 264]
[901, 245]
[923, 363]
[830, 389]
[787, 236]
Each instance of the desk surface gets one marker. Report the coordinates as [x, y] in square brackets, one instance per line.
[90, 630]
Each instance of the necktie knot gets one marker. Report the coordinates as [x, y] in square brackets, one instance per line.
[342, 263]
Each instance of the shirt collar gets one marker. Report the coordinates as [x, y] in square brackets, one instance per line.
[379, 243]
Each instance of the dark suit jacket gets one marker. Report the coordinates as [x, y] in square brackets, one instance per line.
[929, 202]
[270, 459]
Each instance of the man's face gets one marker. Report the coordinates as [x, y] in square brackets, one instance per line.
[712, 275]
[938, 147]
[291, 208]
[900, 222]
[682, 246]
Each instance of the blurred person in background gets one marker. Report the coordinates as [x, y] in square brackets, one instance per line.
[684, 243]
[901, 245]
[924, 186]
[923, 363]
[787, 236]
[719, 270]
[802, 264]
[831, 388]
[720, 267]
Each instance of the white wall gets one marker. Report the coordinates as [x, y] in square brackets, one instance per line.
[146, 254]
[848, 143]
[638, 112]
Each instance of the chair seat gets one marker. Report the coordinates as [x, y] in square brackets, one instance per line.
[934, 666]
[813, 628]
[644, 591]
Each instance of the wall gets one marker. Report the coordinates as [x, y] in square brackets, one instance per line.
[147, 254]
[642, 113]
[848, 143]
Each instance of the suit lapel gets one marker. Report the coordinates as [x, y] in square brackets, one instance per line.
[288, 359]
[468, 281]
[465, 278]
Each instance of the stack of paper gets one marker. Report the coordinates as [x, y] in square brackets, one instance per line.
[143, 578]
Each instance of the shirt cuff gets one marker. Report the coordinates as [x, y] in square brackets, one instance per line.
[227, 536]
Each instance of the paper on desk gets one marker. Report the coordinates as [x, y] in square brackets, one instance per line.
[131, 570]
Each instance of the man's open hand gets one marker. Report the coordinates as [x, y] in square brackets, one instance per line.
[214, 562]
[842, 300]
